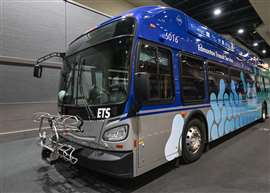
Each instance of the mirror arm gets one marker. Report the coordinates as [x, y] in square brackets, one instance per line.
[38, 67]
[51, 55]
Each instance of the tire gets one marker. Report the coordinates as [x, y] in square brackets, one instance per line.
[193, 140]
[264, 113]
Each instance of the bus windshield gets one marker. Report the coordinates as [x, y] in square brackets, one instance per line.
[99, 74]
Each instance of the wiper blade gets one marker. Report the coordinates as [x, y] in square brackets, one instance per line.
[88, 110]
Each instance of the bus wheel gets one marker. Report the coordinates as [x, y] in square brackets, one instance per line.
[193, 141]
[264, 113]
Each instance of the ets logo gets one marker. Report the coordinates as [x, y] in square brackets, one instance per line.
[103, 113]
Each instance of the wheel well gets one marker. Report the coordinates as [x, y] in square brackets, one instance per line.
[199, 115]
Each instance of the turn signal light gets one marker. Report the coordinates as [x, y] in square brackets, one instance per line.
[119, 146]
[184, 114]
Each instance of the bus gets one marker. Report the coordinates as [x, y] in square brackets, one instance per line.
[147, 87]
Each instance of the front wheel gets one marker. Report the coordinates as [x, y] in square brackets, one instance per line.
[193, 140]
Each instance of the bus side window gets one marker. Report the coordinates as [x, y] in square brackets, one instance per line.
[259, 86]
[217, 72]
[157, 62]
[267, 84]
[250, 81]
[147, 59]
[192, 80]
[235, 75]
[165, 71]
[263, 81]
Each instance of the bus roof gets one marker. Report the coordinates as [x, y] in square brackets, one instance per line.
[178, 30]
[175, 29]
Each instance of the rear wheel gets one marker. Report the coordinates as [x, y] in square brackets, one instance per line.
[193, 140]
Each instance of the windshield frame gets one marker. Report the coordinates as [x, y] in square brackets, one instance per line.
[130, 63]
[132, 34]
[99, 43]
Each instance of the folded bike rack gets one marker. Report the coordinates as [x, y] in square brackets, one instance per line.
[52, 148]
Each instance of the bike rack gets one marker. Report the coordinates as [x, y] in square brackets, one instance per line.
[49, 136]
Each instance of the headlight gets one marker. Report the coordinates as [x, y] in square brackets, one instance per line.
[116, 134]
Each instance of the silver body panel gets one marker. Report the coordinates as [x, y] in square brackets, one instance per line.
[154, 132]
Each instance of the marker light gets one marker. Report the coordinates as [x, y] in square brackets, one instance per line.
[240, 31]
[255, 44]
[217, 11]
[264, 51]
[152, 25]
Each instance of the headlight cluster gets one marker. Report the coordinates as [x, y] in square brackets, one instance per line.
[116, 134]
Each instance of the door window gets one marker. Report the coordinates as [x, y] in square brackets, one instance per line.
[156, 61]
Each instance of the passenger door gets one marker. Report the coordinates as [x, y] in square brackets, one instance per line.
[152, 122]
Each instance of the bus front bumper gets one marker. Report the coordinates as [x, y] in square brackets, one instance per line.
[113, 163]
[118, 164]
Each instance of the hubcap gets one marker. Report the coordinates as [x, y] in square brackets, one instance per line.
[193, 139]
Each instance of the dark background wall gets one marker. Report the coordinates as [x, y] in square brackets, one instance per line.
[30, 29]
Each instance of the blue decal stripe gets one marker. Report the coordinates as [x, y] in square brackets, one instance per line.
[124, 116]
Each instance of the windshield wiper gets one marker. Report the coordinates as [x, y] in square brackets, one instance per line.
[88, 110]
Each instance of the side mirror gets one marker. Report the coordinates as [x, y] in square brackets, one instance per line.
[37, 71]
[142, 87]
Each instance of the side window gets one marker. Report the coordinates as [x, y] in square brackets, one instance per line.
[157, 62]
[267, 84]
[259, 84]
[250, 82]
[192, 79]
[238, 82]
[216, 73]
[165, 74]
[263, 81]
[147, 59]
[249, 79]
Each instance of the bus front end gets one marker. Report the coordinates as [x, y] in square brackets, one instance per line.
[94, 90]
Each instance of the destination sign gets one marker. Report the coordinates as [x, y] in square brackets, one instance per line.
[203, 32]
[214, 53]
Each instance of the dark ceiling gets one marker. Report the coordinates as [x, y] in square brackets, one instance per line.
[235, 14]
